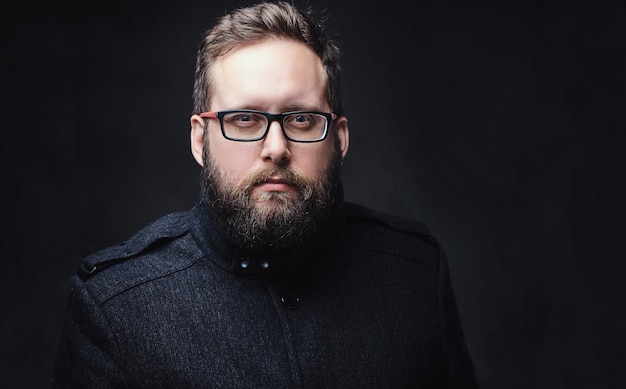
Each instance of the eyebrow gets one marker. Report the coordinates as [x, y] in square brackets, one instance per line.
[300, 108]
[289, 107]
[304, 106]
[282, 110]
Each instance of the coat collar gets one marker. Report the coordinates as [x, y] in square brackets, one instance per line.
[305, 259]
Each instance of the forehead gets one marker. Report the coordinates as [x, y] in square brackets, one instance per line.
[270, 73]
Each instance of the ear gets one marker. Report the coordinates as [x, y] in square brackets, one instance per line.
[197, 138]
[341, 125]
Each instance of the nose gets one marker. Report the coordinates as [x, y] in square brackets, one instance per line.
[275, 145]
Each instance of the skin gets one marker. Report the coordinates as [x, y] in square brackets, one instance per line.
[275, 75]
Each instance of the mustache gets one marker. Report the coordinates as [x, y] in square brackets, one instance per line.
[287, 175]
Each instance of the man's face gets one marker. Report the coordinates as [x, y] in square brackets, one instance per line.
[270, 179]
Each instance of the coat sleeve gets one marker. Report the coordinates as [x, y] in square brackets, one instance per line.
[87, 350]
[460, 369]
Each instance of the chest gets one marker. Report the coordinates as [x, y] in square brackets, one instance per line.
[368, 321]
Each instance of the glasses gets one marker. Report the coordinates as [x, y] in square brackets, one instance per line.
[250, 126]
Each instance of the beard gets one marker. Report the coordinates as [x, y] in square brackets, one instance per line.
[270, 220]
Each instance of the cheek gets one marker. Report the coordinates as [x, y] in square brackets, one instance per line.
[232, 160]
[312, 161]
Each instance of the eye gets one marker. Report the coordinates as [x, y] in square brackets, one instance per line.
[244, 119]
[301, 120]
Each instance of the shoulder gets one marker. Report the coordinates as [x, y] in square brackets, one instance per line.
[389, 234]
[358, 214]
[164, 246]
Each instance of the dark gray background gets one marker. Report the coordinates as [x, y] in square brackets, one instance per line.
[500, 125]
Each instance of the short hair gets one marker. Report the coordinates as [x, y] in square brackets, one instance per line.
[255, 24]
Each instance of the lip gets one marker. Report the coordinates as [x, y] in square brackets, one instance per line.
[274, 184]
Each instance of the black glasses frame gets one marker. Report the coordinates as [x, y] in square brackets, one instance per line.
[271, 117]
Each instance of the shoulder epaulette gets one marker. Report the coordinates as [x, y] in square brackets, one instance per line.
[397, 223]
[166, 228]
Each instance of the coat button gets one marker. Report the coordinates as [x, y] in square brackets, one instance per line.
[290, 301]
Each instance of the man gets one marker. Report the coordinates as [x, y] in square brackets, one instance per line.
[271, 280]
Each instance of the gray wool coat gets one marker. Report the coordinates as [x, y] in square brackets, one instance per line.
[366, 303]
